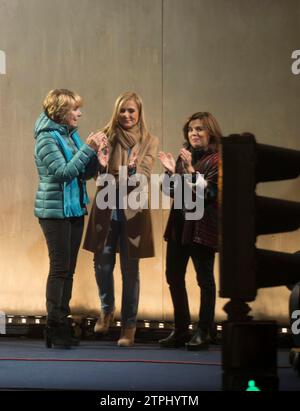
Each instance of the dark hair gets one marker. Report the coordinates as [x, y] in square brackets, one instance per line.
[210, 123]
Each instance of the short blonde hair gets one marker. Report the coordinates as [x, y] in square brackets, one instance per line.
[111, 126]
[59, 102]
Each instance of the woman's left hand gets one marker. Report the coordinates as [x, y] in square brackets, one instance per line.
[133, 160]
[186, 157]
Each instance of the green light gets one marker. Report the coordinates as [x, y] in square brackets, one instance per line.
[252, 386]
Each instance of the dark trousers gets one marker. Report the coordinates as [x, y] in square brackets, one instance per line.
[63, 237]
[203, 260]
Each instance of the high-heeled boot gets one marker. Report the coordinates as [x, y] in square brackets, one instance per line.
[199, 341]
[176, 339]
[58, 336]
[75, 336]
[102, 325]
[127, 337]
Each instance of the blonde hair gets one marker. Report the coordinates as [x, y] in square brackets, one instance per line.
[111, 126]
[210, 123]
[59, 102]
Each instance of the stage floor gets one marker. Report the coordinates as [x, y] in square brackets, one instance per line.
[25, 364]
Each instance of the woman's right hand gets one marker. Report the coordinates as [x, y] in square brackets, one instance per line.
[168, 161]
[94, 140]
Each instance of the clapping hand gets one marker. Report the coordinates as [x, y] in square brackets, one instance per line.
[103, 153]
[133, 160]
[94, 140]
[168, 162]
[186, 157]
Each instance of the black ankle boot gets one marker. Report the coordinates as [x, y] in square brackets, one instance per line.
[175, 339]
[199, 341]
[58, 336]
[75, 339]
[74, 330]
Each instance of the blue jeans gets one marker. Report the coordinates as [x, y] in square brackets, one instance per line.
[104, 263]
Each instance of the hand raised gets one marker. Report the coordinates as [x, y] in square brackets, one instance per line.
[103, 154]
[101, 137]
[94, 140]
[133, 160]
[167, 160]
[186, 156]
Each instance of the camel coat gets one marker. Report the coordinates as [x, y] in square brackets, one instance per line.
[138, 225]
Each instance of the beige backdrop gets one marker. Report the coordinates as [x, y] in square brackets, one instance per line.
[230, 57]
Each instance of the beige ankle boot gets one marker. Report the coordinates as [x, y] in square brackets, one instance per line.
[127, 337]
[102, 325]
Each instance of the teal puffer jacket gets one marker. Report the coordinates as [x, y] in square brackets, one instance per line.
[54, 170]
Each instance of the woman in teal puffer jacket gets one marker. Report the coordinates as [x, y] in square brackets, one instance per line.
[63, 163]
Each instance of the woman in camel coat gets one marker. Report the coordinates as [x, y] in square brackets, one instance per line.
[126, 142]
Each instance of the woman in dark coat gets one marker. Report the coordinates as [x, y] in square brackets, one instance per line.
[195, 239]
